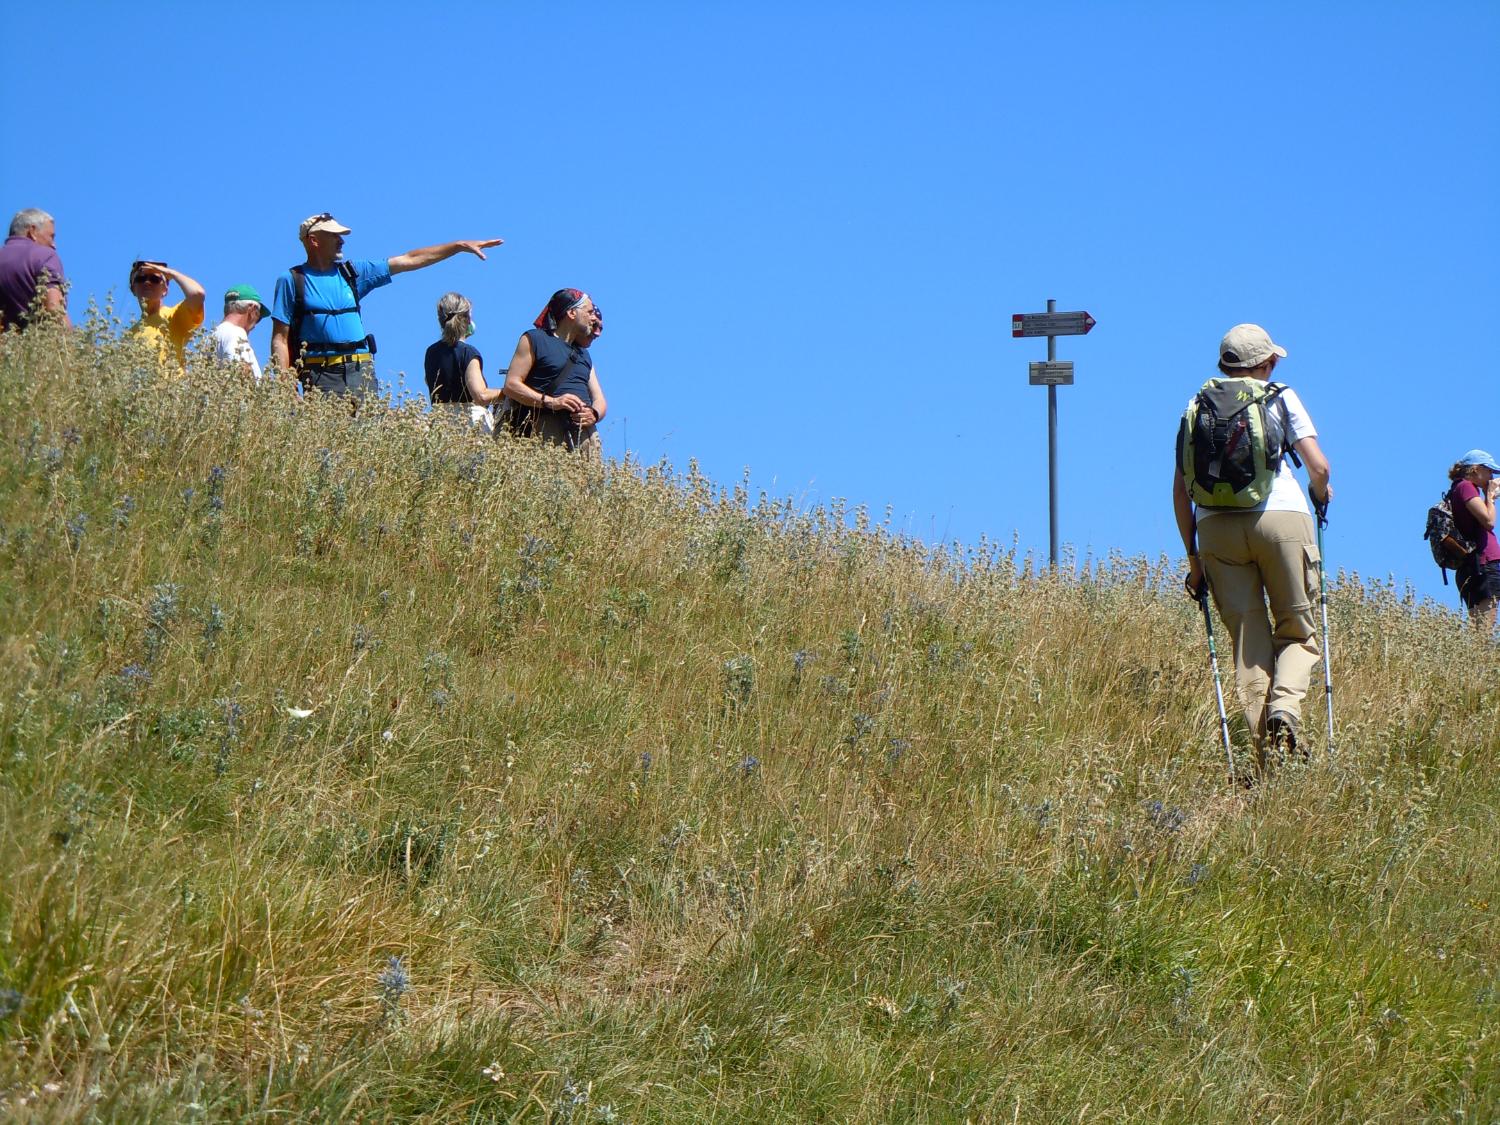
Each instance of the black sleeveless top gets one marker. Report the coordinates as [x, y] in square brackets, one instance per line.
[559, 368]
[445, 366]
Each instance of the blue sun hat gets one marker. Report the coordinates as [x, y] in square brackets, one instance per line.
[1479, 457]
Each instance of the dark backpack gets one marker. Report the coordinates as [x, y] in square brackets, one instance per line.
[1449, 548]
[300, 311]
[1231, 441]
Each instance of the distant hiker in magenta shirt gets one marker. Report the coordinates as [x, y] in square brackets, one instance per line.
[1472, 499]
[29, 266]
[168, 326]
[318, 328]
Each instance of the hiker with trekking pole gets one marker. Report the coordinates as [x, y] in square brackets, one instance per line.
[1250, 539]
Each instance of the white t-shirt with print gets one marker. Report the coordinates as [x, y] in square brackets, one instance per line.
[232, 344]
[1286, 491]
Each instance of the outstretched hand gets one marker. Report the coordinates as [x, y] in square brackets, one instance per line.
[477, 246]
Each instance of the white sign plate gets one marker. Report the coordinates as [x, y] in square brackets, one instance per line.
[1056, 374]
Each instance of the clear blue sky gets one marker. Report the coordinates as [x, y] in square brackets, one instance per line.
[808, 224]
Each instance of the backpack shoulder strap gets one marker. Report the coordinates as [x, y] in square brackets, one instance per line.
[299, 310]
[1274, 391]
[346, 270]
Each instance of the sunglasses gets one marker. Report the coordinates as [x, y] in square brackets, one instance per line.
[141, 270]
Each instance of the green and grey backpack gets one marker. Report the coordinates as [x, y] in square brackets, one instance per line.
[1231, 442]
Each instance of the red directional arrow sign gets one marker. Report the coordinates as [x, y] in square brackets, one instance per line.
[1051, 324]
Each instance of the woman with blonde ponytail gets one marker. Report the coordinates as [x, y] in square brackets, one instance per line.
[455, 369]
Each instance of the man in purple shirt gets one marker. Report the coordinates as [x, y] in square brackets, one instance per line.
[28, 263]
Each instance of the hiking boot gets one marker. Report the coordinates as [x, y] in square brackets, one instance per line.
[1281, 738]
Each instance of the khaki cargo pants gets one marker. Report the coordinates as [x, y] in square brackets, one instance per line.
[1252, 558]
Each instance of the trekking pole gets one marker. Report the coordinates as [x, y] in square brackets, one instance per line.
[1213, 661]
[1322, 510]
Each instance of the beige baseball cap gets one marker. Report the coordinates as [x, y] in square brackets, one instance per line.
[1248, 345]
[322, 221]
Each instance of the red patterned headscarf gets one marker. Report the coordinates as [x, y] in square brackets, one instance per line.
[562, 303]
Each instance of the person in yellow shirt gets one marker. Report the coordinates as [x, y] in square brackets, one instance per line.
[169, 326]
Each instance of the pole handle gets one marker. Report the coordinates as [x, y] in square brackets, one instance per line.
[1319, 506]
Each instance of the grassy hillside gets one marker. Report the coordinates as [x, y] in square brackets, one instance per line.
[361, 769]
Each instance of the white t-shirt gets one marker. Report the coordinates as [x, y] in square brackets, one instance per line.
[232, 344]
[1286, 491]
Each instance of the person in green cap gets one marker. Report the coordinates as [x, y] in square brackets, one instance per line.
[243, 309]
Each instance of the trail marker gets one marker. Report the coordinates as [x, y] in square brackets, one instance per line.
[1051, 323]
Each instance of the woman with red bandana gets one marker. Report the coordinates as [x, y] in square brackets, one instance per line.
[551, 382]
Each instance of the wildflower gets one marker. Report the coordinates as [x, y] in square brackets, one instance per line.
[71, 436]
[749, 764]
[853, 647]
[897, 750]
[394, 983]
[135, 676]
[1163, 818]
[77, 525]
[739, 678]
[440, 698]
[1196, 874]
[123, 508]
[10, 1002]
[469, 468]
[386, 735]
[571, 1099]
[52, 459]
[493, 1071]
[233, 713]
[164, 604]
[799, 661]
[213, 623]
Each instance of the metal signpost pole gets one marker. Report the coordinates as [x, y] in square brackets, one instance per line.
[1052, 375]
[1052, 448]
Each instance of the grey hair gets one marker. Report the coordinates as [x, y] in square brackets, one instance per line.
[28, 218]
[240, 307]
[453, 311]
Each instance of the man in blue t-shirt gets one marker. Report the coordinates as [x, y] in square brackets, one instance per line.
[323, 335]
